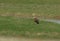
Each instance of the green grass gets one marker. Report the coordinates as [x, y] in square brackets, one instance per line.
[31, 1]
[25, 27]
[45, 8]
[14, 19]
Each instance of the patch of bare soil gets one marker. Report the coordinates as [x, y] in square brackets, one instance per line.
[22, 39]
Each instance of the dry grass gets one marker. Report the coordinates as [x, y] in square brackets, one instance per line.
[30, 15]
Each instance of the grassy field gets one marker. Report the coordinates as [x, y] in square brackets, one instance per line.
[15, 21]
[45, 8]
[25, 27]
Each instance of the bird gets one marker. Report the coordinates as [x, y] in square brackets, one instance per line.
[36, 20]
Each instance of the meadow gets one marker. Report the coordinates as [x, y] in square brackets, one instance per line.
[25, 27]
[16, 18]
[44, 8]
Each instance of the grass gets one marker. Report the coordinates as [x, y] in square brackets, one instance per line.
[45, 8]
[32, 1]
[25, 27]
[15, 21]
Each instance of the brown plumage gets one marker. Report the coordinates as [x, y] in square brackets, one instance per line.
[36, 20]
